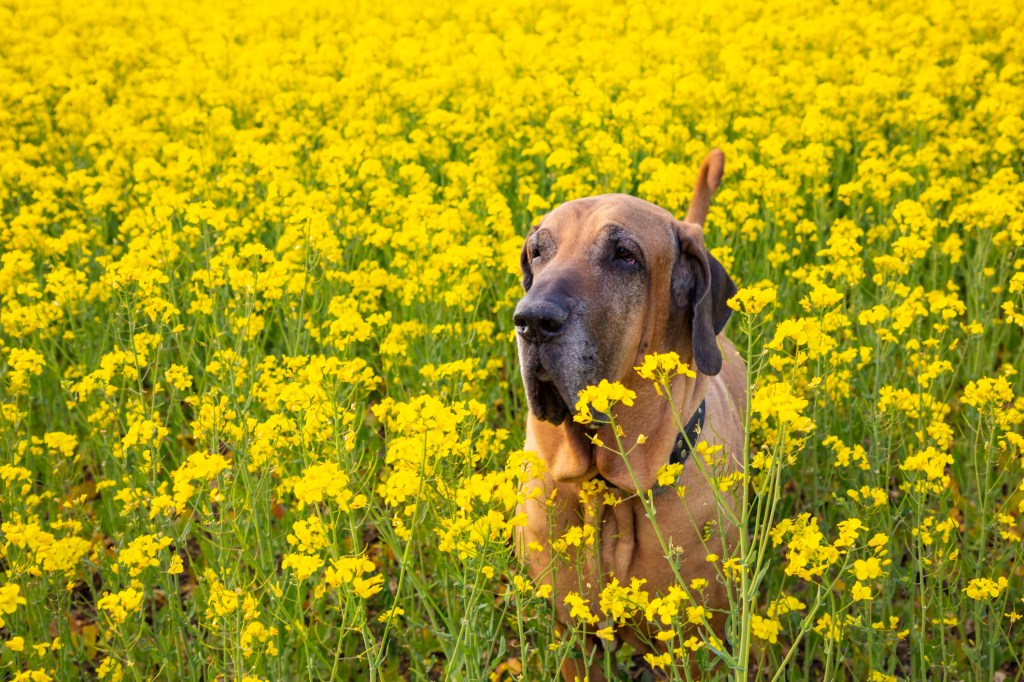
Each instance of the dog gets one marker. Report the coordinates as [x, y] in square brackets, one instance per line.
[608, 280]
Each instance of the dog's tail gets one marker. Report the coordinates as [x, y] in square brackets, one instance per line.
[708, 178]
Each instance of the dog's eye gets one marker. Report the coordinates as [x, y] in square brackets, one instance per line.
[625, 255]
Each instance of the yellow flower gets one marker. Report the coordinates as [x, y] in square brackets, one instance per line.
[849, 531]
[662, 367]
[303, 565]
[32, 676]
[24, 363]
[201, 467]
[821, 297]
[326, 481]
[308, 535]
[808, 555]
[60, 442]
[349, 571]
[783, 605]
[696, 614]
[579, 608]
[141, 553]
[620, 602]
[984, 589]
[51, 554]
[860, 592]
[669, 473]
[178, 377]
[867, 569]
[10, 599]
[393, 612]
[987, 394]
[120, 604]
[845, 455]
[600, 399]
[777, 400]
[753, 299]
[767, 629]
[659, 661]
[221, 600]
[256, 632]
[931, 464]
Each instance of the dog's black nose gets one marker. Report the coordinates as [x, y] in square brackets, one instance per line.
[541, 321]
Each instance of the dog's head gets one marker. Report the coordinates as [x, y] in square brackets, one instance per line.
[609, 279]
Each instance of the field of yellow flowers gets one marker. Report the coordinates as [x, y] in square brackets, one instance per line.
[260, 414]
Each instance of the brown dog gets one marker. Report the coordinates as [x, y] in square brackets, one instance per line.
[608, 280]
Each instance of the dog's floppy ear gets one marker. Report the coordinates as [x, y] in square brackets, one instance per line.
[698, 280]
[701, 284]
[524, 261]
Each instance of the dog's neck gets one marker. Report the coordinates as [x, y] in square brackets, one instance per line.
[651, 416]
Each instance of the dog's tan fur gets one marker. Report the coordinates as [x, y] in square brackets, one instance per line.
[659, 312]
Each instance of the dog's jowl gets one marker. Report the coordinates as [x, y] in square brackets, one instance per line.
[608, 281]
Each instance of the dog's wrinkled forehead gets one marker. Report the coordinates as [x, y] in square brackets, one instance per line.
[582, 221]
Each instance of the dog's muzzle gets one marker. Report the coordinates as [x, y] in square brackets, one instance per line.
[540, 321]
[543, 323]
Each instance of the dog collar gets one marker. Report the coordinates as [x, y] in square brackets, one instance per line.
[684, 444]
[682, 448]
